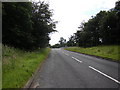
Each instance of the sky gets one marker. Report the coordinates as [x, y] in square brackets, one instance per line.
[70, 14]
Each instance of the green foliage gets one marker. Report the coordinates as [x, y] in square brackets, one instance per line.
[17, 24]
[27, 25]
[0, 66]
[110, 52]
[71, 41]
[42, 23]
[62, 42]
[55, 46]
[104, 28]
[18, 65]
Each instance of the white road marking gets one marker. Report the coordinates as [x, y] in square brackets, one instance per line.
[77, 59]
[104, 74]
[65, 53]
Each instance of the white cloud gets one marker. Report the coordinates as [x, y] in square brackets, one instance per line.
[70, 13]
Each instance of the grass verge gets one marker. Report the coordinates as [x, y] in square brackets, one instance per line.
[0, 66]
[111, 52]
[18, 65]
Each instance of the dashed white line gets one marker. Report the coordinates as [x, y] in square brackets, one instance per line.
[65, 53]
[104, 74]
[98, 70]
[77, 59]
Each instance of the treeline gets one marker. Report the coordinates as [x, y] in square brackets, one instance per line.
[104, 28]
[62, 43]
[26, 25]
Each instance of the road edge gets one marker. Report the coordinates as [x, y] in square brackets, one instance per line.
[105, 58]
[29, 82]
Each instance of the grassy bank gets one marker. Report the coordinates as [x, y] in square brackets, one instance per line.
[110, 52]
[18, 65]
[0, 66]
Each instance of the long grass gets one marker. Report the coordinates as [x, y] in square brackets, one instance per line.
[18, 65]
[0, 66]
[109, 52]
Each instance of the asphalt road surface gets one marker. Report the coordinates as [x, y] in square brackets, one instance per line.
[65, 69]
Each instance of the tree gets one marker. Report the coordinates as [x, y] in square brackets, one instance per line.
[100, 29]
[93, 27]
[83, 38]
[17, 24]
[42, 23]
[56, 46]
[71, 41]
[104, 28]
[117, 12]
[62, 42]
[108, 29]
[27, 25]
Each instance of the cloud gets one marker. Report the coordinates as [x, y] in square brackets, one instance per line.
[70, 13]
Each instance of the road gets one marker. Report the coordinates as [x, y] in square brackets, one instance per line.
[65, 69]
